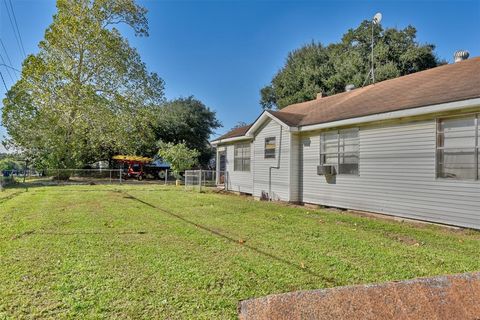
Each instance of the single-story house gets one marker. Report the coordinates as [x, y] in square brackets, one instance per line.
[407, 147]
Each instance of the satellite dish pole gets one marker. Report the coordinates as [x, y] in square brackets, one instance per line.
[376, 20]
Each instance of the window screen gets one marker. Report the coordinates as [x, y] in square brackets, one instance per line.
[241, 161]
[270, 145]
[341, 149]
[458, 148]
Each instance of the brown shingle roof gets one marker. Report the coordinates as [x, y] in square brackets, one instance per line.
[447, 83]
[452, 82]
[237, 132]
[290, 119]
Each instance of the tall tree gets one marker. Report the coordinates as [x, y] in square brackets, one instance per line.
[315, 68]
[86, 95]
[187, 120]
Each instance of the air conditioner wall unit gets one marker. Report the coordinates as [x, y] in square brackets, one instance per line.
[326, 170]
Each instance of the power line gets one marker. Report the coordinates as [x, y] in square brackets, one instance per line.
[7, 56]
[4, 84]
[8, 71]
[10, 67]
[13, 27]
[6, 53]
[6, 89]
[18, 30]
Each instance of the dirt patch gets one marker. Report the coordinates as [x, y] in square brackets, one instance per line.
[404, 239]
[23, 234]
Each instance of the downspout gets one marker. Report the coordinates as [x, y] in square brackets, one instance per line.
[219, 172]
[277, 166]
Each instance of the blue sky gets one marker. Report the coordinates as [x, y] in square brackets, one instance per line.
[223, 52]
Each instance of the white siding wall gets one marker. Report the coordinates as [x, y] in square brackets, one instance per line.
[239, 181]
[295, 165]
[278, 183]
[397, 176]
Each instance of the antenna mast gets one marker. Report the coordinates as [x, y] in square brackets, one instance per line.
[376, 20]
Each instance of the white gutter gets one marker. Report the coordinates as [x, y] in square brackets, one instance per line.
[277, 167]
[443, 107]
[240, 138]
[249, 134]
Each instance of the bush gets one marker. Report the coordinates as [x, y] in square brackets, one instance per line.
[179, 156]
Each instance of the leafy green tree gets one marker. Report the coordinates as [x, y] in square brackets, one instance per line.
[86, 94]
[179, 156]
[9, 164]
[301, 78]
[187, 120]
[315, 68]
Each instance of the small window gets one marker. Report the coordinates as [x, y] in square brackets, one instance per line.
[270, 146]
[241, 158]
[329, 148]
[458, 148]
[341, 149]
[348, 151]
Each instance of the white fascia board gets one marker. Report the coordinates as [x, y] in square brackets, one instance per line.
[263, 117]
[240, 138]
[443, 107]
[436, 108]
[250, 133]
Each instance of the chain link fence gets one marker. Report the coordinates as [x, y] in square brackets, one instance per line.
[47, 177]
[196, 179]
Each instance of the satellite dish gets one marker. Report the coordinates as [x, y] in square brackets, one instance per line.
[377, 18]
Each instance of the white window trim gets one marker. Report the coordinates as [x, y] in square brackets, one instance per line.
[265, 148]
[338, 153]
[476, 148]
[243, 145]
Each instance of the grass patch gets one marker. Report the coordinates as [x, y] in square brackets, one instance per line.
[160, 252]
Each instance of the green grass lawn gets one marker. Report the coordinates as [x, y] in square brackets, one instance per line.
[161, 252]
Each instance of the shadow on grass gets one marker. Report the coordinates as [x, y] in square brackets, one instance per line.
[33, 232]
[49, 188]
[328, 280]
[10, 197]
[44, 183]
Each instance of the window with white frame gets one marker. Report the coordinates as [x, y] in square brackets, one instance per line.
[458, 147]
[270, 146]
[340, 148]
[241, 159]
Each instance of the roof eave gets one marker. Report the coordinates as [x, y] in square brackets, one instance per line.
[418, 111]
[227, 140]
[266, 115]
[405, 113]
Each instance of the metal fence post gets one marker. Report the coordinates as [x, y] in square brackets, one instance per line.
[166, 176]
